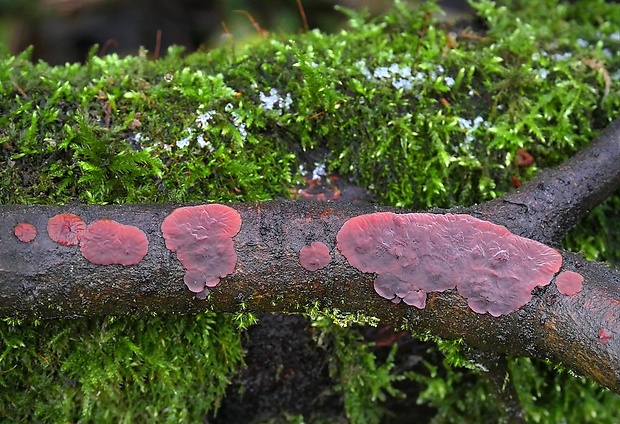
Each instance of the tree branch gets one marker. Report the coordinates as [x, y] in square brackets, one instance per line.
[47, 280]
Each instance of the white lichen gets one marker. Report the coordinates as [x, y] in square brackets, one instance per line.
[319, 171]
[274, 101]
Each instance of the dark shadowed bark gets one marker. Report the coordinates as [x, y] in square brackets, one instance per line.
[47, 280]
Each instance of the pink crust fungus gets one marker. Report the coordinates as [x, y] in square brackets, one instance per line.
[66, 229]
[604, 335]
[25, 232]
[569, 283]
[106, 242]
[314, 256]
[414, 254]
[202, 238]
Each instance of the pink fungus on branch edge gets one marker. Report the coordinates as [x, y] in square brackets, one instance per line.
[604, 335]
[202, 236]
[25, 232]
[569, 283]
[66, 229]
[106, 242]
[314, 256]
[414, 254]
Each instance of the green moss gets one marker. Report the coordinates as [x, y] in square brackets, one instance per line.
[339, 318]
[419, 121]
[458, 389]
[597, 237]
[551, 400]
[392, 104]
[161, 369]
[106, 133]
[363, 381]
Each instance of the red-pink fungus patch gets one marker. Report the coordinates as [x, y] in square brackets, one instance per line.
[106, 242]
[201, 236]
[66, 229]
[604, 335]
[414, 254]
[314, 256]
[25, 232]
[569, 283]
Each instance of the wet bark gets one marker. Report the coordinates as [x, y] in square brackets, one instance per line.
[46, 280]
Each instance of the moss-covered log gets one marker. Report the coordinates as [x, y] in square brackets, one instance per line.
[44, 279]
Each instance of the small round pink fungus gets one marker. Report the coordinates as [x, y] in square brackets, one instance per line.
[66, 229]
[604, 335]
[106, 242]
[414, 254]
[314, 256]
[202, 236]
[569, 283]
[25, 232]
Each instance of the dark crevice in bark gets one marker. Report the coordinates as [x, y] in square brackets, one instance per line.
[285, 372]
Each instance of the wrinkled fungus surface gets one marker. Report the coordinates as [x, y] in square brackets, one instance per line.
[314, 256]
[414, 254]
[66, 229]
[25, 232]
[604, 335]
[569, 283]
[106, 242]
[201, 236]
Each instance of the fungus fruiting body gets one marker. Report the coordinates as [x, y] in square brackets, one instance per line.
[66, 229]
[314, 256]
[569, 283]
[106, 242]
[604, 335]
[25, 232]
[201, 236]
[524, 158]
[414, 254]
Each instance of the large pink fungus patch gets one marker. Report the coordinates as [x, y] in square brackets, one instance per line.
[66, 229]
[414, 254]
[569, 283]
[202, 238]
[314, 256]
[106, 242]
[25, 232]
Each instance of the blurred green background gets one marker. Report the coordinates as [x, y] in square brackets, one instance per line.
[64, 30]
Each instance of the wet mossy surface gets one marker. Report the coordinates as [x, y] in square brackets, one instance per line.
[421, 114]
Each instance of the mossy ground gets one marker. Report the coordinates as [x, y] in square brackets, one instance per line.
[418, 114]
